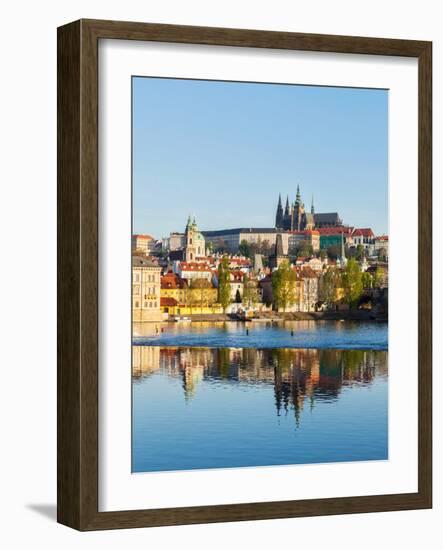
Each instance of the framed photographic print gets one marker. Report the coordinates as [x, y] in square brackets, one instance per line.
[244, 275]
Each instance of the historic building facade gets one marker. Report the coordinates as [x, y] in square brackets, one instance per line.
[145, 290]
[194, 242]
[143, 243]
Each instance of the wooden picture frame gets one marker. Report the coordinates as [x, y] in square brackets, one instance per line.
[78, 274]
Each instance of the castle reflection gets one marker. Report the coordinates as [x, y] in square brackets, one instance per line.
[299, 377]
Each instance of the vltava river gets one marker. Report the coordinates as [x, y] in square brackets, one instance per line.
[291, 393]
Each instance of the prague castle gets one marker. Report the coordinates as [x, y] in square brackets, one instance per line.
[295, 218]
[293, 224]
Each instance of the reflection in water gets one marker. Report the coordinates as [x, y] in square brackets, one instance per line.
[219, 407]
[297, 376]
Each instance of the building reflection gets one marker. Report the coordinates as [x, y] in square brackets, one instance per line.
[299, 377]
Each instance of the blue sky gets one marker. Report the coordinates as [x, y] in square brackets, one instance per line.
[223, 151]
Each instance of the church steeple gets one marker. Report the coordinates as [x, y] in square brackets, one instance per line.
[298, 196]
[312, 205]
[287, 212]
[279, 214]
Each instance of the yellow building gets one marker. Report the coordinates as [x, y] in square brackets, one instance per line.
[145, 290]
[172, 307]
[173, 286]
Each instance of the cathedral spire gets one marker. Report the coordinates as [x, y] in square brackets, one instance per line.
[312, 205]
[279, 214]
[298, 196]
[287, 206]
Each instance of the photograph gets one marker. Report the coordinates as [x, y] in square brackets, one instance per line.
[260, 254]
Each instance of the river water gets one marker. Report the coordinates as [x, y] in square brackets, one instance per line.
[223, 395]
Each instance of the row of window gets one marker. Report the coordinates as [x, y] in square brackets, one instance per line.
[149, 278]
[146, 304]
[151, 291]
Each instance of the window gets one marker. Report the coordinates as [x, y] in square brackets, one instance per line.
[136, 304]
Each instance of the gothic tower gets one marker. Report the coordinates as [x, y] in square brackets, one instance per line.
[298, 213]
[287, 224]
[279, 214]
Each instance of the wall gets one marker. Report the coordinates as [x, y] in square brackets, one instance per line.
[28, 398]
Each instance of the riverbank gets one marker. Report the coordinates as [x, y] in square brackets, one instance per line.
[273, 316]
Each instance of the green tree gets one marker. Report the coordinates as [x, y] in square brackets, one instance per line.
[304, 249]
[367, 280]
[378, 277]
[250, 291]
[245, 249]
[200, 289]
[328, 286]
[352, 283]
[224, 285]
[360, 252]
[284, 281]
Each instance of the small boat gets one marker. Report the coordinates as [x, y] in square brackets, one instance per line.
[182, 319]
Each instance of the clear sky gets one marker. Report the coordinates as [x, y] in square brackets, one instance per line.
[223, 151]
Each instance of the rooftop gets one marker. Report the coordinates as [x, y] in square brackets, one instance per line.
[194, 266]
[166, 301]
[143, 237]
[139, 261]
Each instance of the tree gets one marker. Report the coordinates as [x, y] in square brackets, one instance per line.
[367, 280]
[378, 277]
[220, 245]
[250, 291]
[199, 287]
[360, 252]
[245, 249]
[284, 281]
[304, 249]
[224, 284]
[352, 282]
[334, 251]
[323, 254]
[328, 286]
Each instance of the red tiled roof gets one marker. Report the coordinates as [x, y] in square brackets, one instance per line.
[240, 261]
[335, 230]
[194, 266]
[172, 280]
[382, 238]
[306, 231]
[305, 272]
[237, 275]
[363, 232]
[166, 301]
[144, 237]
